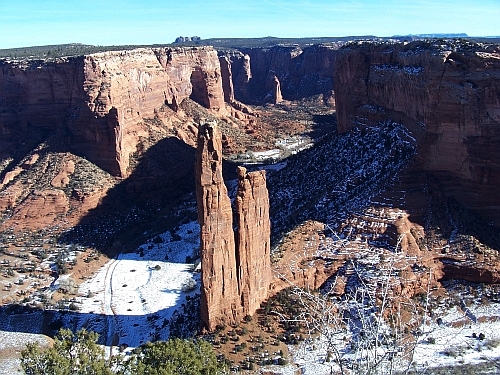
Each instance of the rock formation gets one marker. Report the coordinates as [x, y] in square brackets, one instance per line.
[239, 66]
[253, 239]
[219, 295]
[277, 97]
[448, 94]
[227, 78]
[102, 99]
[235, 266]
[302, 72]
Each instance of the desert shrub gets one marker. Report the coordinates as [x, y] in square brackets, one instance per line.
[71, 354]
[79, 354]
[189, 285]
[176, 356]
[492, 344]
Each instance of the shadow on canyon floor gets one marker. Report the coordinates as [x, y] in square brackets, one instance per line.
[158, 325]
[142, 204]
[157, 197]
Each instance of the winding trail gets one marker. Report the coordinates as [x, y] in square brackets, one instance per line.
[111, 338]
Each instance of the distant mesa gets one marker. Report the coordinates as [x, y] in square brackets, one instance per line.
[439, 35]
[187, 39]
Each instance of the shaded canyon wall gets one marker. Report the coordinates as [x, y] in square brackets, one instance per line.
[448, 94]
[299, 72]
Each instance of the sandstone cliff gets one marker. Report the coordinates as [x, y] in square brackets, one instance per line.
[219, 291]
[302, 72]
[448, 94]
[277, 97]
[235, 266]
[103, 99]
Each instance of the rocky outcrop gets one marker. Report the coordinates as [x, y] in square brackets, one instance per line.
[227, 78]
[237, 109]
[41, 209]
[102, 99]
[448, 94]
[253, 239]
[220, 301]
[302, 72]
[277, 97]
[235, 266]
[239, 65]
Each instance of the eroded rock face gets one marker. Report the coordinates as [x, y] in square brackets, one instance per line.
[253, 239]
[42, 208]
[448, 95]
[219, 284]
[277, 97]
[103, 98]
[302, 72]
[235, 266]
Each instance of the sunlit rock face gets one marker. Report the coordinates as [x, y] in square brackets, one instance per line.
[253, 239]
[219, 288]
[448, 94]
[235, 265]
[103, 98]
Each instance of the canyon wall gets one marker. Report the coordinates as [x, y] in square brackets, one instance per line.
[448, 94]
[102, 99]
[301, 72]
[235, 266]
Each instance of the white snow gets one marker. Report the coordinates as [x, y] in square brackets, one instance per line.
[132, 297]
[269, 154]
[405, 69]
[454, 345]
[457, 339]
[11, 344]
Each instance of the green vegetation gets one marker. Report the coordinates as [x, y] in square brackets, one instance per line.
[71, 354]
[79, 354]
[51, 52]
[176, 356]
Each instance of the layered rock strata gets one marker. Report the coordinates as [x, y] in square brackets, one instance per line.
[302, 72]
[253, 238]
[448, 94]
[277, 97]
[235, 266]
[219, 294]
[102, 99]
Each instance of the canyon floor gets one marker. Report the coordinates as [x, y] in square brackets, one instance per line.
[128, 269]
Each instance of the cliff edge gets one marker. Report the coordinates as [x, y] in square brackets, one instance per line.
[448, 94]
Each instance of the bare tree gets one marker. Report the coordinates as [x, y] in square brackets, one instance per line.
[369, 328]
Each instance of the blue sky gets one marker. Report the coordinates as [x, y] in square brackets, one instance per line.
[115, 22]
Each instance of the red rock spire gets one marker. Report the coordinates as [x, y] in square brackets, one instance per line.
[235, 274]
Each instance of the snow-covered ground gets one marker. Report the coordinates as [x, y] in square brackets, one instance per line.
[461, 330]
[132, 298]
[452, 342]
[439, 345]
[11, 344]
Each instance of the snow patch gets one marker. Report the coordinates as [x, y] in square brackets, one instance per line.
[133, 297]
